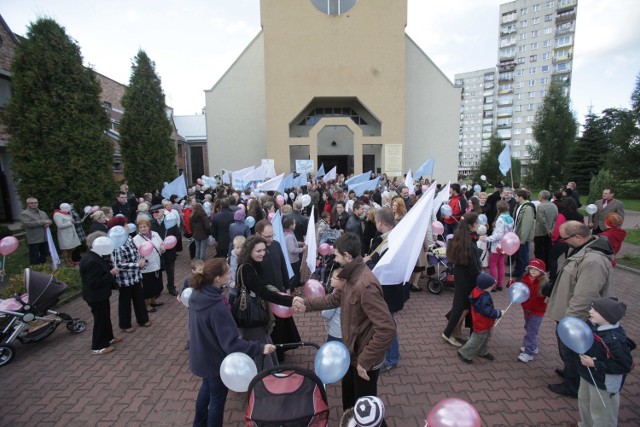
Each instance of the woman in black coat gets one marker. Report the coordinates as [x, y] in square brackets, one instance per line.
[98, 279]
[464, 254]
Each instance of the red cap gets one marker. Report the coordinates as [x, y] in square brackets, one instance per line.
[538, 264]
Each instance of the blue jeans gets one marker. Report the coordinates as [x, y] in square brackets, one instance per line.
[210, 403]
[393, 352]
[201, 249]
[522, 260]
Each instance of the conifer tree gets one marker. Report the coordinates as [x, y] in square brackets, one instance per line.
[588, 153]
[56, 122]
[148, 152]
[554, 130]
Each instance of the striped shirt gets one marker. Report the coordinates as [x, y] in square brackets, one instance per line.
[126, 259]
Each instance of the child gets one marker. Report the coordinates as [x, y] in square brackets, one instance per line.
[484, 316]
[534, 308]
[503, 224]
[368, 411]
[332, 316]
[197, 266]
[608, 360]
[232, 259]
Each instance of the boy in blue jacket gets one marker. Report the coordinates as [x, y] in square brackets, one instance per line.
[609, 360]
[484, 316]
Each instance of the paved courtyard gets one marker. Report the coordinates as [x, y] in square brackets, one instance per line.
[147, 381]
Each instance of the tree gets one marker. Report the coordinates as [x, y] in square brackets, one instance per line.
[623, 155]
[554, 130]
[148, 152]
[56, 122]
[598, 183]
[588, 154]
[490, 167]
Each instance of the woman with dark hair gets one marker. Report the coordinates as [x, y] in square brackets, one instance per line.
[326, 204]
[200, 229]
[567, 211]
[255, 210]
[249, 275]
[464, 254]
[339, 216]
[213, 336]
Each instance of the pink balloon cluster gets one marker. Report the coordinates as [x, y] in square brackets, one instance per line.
[280, 199]
[510, 243]
[281, 311]
[325, 249]
[437, 227]
[146, 248]
[8, 245]
[314, 289]
[453, 412]
[170, 242]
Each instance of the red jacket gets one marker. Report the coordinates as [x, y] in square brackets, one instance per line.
[615, 235]
[186, 213]
[535, 303]
[483, 312]
[458, 207]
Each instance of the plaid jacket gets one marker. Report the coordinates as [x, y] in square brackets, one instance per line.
[126, 259]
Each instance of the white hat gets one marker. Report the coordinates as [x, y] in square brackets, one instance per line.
[368, 411]
[65, 207]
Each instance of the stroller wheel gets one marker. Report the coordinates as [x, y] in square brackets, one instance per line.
[7, 352]
[77, 326]
[435, 286]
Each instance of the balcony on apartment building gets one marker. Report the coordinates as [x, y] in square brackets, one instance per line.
[507, 65]
[567, 15]
[510, 16]
[505, 77]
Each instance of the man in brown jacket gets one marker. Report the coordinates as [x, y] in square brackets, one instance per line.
[367, 326]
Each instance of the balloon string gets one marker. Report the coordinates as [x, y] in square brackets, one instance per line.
[597, 389]
[503, 313]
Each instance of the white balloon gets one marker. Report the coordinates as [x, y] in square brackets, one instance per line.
[184, 297]
[591, 209]
[103, 246]
[237, 370]
[306, 200]
[292, 195]
[483, 177]
[482, 230]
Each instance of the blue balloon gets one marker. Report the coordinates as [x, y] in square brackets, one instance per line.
[482, 219]
[477, 188]
[132, 228]
[119, 236]
[250, 221]
[170, 220]
[446, 210]
[519, 293]
[332, 362]
[575, 334]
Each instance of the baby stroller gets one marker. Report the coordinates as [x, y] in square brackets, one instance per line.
[29, 318]
[287, 395]
[443, 275]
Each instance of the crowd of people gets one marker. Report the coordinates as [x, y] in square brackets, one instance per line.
[247, 262]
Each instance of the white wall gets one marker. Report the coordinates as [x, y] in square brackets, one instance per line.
[432, 116]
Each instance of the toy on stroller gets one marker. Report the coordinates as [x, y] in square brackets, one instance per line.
[287, 395]
[443, 275]
[29, 318]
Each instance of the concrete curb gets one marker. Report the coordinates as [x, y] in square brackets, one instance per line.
[629, 269]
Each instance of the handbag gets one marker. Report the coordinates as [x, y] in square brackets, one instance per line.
[248, 310]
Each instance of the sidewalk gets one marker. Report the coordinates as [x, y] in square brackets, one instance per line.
[147, 382]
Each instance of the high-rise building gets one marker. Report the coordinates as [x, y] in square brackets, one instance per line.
[535, 48]
[477, 116]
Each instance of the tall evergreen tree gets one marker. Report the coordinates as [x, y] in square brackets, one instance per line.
[57, 123]
[148, 152]
[589, 153]
[554, 130]
[623, 156]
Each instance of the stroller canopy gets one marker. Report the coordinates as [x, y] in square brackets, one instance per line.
[43, 289]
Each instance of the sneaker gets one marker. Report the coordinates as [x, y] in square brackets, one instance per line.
[462, 340]
[464, 359]
[524, 357]
[534, 351]
[387, 368]
[103, 350]
[452, 341]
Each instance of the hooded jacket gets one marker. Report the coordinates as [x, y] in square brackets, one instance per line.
[616, 236]
[483, 313]
[584, 276]
[213, 333]
[504, 225]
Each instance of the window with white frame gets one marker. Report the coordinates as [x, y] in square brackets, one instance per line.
[532, 70]
[548, 18]
[544, 68]
[534, 46]
[546, 55]
[550, 4]
[528, 131]
[533, 58]
[532, 82]
[521, 60]
[535, 33]
[523, 36]
[536, 7]
[543, 93]
[548, 30]
[531, 107]
[536, 21]
[531, 94]
[523, 23]
[530, 119]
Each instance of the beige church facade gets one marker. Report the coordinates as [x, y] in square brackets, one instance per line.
[340, 83]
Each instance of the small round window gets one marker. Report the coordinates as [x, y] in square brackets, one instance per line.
[334, 7]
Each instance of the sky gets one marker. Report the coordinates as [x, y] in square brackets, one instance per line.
[193, 42]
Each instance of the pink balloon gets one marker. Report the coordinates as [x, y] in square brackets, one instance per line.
[453, 412]
[146, 248]
[270, 216]
[280, 199]
[313, 289]
[199, 181]
[324, 249]
[95, 208]
[170, 242]
[437, 227]
[281, 311]
[8, 245]
[510, 243]
[242, 207]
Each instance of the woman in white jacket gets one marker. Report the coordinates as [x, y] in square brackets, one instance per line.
[503, 225]
[67, 237]
[151, 273]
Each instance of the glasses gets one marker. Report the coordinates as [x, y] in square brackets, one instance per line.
[564, 239]
[264, 236]
[155, 212]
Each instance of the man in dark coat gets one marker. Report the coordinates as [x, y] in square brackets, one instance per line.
[354, 223]
[121, 206]
[169, 256]
[493, 198]
[301, 221]
[274, 272]
[220, 228]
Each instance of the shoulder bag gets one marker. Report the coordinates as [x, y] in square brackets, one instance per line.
[248, 310]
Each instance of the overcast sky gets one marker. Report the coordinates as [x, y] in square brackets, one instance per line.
[193, 42]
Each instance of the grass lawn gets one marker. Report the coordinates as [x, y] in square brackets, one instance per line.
[633, 236]
[629, 261]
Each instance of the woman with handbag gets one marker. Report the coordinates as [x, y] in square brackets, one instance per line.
[213, 336]
[151, 273]
[250, 310]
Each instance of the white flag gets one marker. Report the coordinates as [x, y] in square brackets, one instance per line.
[405, 243]
[312, 245]
[408, 182]
[272, 184]
[55, 259]
[505, 160]
[332, 174]
[278, 236]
